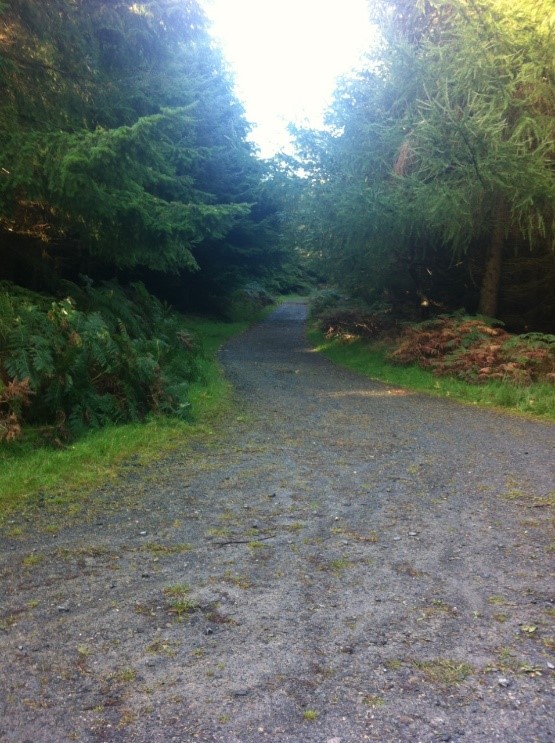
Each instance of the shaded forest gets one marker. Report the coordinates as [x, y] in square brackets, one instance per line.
[126, 181]
[124, 151]
[434, 181]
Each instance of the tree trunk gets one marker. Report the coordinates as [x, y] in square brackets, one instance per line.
[491, 280]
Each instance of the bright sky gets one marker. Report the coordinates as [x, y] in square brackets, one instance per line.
[286, 56]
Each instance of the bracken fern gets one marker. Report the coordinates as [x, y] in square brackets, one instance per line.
[95, 356]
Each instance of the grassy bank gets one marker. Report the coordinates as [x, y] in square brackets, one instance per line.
[370, 359]
[28, 470]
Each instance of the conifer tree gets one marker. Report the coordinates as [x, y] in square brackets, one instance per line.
[120, 136]
[438, 158]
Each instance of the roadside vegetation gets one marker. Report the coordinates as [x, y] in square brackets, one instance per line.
[34, 467]
[470, 359]
[131, 202]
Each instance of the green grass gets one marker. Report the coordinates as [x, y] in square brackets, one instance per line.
[536, 399]
[65, 475]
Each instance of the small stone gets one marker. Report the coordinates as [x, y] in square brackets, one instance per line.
[209, 631]
[333, 740]
[396, 539]
[412, 533]
[502, 681]
[150, 663]
[63, 607]
[143, 533]
[272, 495]
[240, 693]
[550, 665]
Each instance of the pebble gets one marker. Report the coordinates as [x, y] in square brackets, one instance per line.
[63, 607]
[143, 533]
[502, 681]
[396, 539]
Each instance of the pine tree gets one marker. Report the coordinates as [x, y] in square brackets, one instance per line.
[120, 135]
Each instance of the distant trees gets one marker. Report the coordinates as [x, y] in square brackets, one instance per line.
[439, 159]
[122, 143]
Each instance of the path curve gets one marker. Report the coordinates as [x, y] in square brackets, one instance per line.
[342, 562]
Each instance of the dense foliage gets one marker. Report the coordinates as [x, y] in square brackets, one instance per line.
[457, 347]
[96, 356]
[124, 157]
[435, 178]
[122, 146]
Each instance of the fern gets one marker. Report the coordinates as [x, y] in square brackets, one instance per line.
[100, 355]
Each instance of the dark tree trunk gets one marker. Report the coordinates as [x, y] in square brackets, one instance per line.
[491, 280]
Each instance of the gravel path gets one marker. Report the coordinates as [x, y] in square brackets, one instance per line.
[341, 562]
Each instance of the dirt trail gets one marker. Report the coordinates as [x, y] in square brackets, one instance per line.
[342, 562]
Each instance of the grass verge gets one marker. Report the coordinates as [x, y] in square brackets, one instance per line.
[26, 470]
[536, 399]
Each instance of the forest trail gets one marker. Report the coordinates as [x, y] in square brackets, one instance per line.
[341, 562]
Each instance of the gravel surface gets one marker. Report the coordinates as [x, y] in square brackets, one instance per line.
[340, 562]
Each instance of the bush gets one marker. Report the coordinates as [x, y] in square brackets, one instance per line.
[248, 301]
[93, 357]
[325, 300]
[337, 316]
[475, 350]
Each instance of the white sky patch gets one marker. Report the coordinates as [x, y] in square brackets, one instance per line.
[286, 56]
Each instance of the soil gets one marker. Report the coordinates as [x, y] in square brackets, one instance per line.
[340, 562]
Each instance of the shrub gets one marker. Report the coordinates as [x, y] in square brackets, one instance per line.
[475, 350]
[92, 357]
[247, 301]
[338, 316]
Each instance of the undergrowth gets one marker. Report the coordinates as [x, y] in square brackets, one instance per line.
[31, 471]
[95, 356]
[372, 361]
[470, 359]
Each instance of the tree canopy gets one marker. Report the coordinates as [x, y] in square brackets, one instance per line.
[437, 163]
[121, 139]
